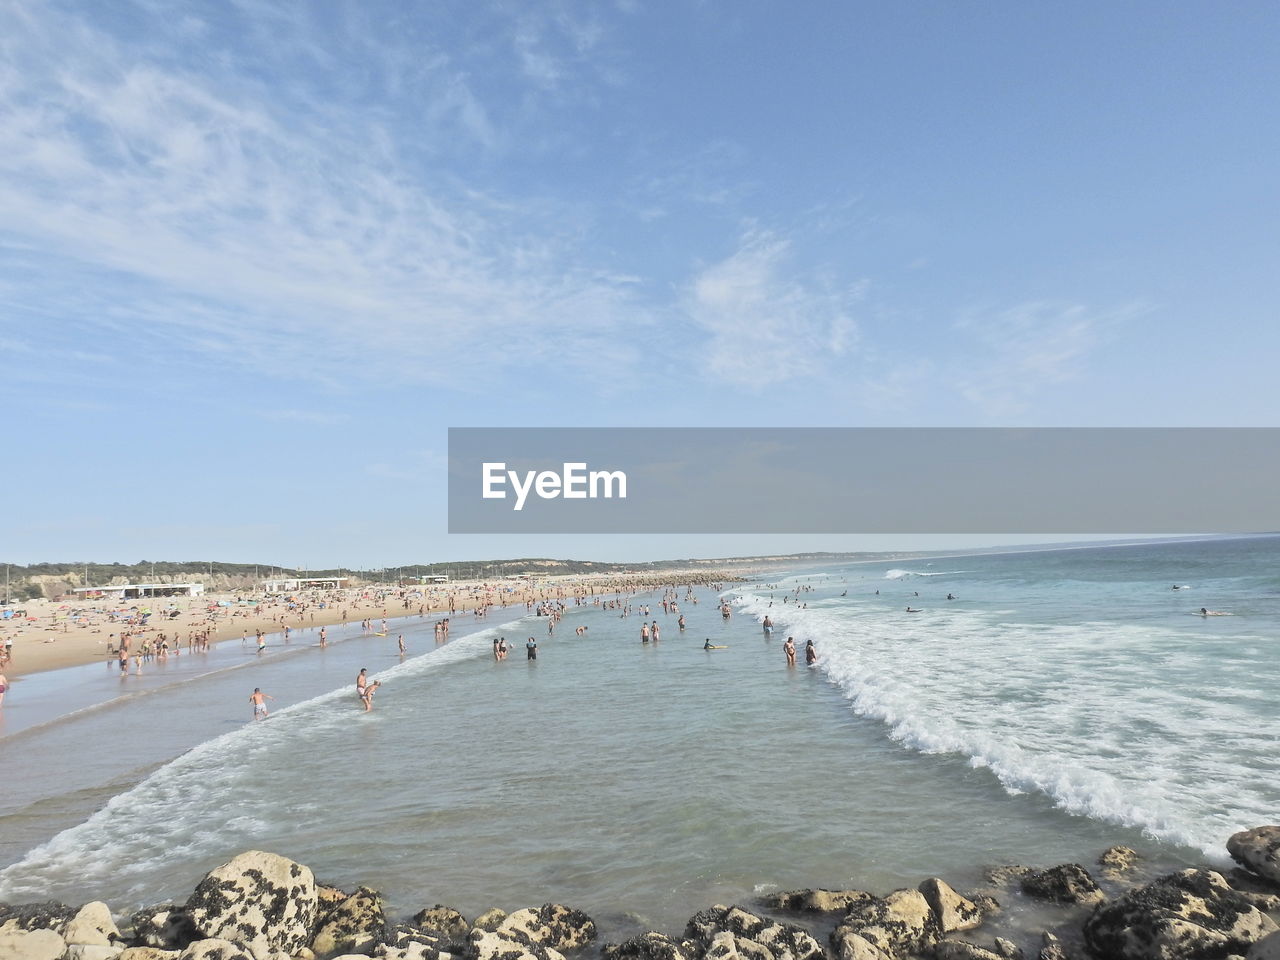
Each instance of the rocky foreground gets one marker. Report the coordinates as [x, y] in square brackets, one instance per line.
[261, 906]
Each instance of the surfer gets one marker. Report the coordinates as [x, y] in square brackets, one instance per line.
[790, 649]
[912, 610]
[259, 701]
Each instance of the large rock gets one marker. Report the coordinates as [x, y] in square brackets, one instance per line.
[1067, 883]
[260, 900]
[93, 951]
[35, 944]
[49, 915]
[1258, 850]
[953, 912]
[733, 931]
[646, 946]
[848, 945]
[490, 919]
[1008, 949]
[816, 900]
[149, 953]
[962, 950]
[550, 925]
[215, 948]
[1118, 859]
[490, 945]
[1189, 915]
[901, 923]
[166, 926]
[405, 942]
[446, 920]
[356, 925]
[1051, 948]
[92, 925]
[1268, 948]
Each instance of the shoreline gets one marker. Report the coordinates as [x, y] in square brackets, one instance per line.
[263, 906]
[75, 644]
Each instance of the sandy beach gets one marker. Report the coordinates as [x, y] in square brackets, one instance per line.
[52, 634]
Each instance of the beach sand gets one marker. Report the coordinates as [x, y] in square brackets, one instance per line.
[58, 633]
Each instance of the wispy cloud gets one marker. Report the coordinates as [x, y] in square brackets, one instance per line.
[261, 220]
[1020, 350]
[766, 323]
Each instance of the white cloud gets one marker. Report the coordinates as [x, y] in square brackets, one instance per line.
[1020, 350]
[766, 325]
[225, 216]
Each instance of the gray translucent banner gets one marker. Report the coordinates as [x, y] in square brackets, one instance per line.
[864, 480]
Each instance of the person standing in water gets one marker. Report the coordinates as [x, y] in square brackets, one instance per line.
[531, 648]
[4, 685]
[789, 648]
[259, 701]
[810, 653]
[400, 644]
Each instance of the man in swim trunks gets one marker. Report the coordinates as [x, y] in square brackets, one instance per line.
[531, 647]
[362, 681]
[789, 648]
[259, 701]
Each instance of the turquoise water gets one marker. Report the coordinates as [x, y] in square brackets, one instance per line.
[1063, 702]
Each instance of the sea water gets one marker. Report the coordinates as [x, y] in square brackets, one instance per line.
[1061, 702]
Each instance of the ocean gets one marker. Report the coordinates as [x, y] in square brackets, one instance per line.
[1062, 701]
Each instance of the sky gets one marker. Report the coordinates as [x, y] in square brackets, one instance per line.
[257, 257]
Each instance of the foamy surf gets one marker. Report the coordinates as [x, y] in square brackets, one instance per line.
[204, 802]
[1094, 726]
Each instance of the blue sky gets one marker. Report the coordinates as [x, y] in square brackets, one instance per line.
[256, 257]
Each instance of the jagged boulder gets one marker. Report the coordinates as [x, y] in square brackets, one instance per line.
[948, 949]
[1268, 948]
[1118, 859]
[356, 925]
[149, 953]
[816, 900]
[1257, 850]
[646, 946]
[953, 912]
[1066, 883]
[725, 931]
[1008, 949]
[491, 945]
[37, 943]
[48, 915]
[92, 926]
[848, 945]
[1005, 874]
[262, 901]
[550, 925]
[215, 948]
[93, 951]
[414, 943]
[165, 926]
[490, 919]
[901, 923]
[446, 920]
[1051, 948]
[1189, 915]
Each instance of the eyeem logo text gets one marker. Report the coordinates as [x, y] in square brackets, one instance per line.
[574, 482]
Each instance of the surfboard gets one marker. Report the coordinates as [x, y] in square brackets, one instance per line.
[723, 646]
[379, 634]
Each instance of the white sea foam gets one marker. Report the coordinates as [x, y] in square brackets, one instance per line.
[204, 800]
[1110, 721]
[897, 574]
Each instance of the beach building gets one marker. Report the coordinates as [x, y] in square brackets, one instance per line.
[287, 584]
[135, 591]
